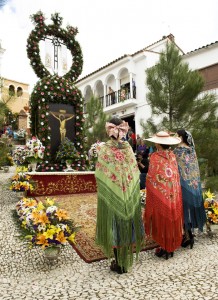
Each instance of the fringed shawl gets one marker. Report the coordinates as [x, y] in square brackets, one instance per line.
[119, 221]
[194, 212]
[163, 215]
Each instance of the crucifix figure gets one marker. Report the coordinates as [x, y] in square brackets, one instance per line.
[62, 118]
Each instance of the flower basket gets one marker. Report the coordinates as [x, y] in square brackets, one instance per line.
[46, 225]
[34, 151]
[21, 182]
[211, 209]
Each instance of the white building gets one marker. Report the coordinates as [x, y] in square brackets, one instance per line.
[127, 73]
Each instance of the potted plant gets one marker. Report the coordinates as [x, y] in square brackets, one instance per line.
[21, 136]
[34, 151]
[45, 224]
[21, 182]
[67, 153]
[5, 157]
[19, 155]
[211, 208]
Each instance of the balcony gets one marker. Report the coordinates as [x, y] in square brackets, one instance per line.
[120, 99]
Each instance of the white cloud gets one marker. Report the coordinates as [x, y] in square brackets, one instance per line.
[107, 29]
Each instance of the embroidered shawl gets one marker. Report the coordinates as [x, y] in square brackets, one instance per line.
[194, 212]
[119, 221]
[163, 217]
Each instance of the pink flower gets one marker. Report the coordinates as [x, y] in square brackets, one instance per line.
[168, 172]
[129, 177]
[119, 156]
[113, 177]
[124, 188]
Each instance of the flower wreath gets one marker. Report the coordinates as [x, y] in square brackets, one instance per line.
[53, 88]
[67, 36]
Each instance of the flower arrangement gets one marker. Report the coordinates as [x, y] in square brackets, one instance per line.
[44, 223]
[67, 151]
[19, 155]
[21, 134]
[34, 150]
[21, 181]
[211, 207]
[143, 196]
[93, 151]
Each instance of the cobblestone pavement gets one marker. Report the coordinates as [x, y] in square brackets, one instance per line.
[25, 273]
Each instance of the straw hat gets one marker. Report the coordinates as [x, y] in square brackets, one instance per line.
[163, 137]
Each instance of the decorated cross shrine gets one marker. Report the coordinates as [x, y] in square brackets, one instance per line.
[56, 104]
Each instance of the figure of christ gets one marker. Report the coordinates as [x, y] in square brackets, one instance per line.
[61, 118]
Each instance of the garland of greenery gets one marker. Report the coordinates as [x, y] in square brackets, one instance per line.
[67, 36]
[55, 89]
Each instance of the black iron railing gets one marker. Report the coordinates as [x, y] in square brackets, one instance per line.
[119, 96]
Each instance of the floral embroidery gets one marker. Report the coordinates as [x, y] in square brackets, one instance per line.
[115, 162]
[168, 172]
[119, 156]
[188, 166]
[162, 177]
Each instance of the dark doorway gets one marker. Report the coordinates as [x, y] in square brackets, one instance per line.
[131, 121]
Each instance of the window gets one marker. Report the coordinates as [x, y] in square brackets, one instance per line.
[19, 91]
[11, 90]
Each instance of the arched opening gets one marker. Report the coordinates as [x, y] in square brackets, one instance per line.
[19, 91]
[87, 96]
[11, 90]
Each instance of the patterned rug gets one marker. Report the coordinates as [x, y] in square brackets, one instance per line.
[82, 209]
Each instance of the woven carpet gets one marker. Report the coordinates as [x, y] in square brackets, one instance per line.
[82, 209]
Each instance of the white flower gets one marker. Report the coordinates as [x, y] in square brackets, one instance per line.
[51, 209]
[41, 227]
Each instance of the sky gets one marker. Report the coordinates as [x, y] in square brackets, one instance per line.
[107, 29]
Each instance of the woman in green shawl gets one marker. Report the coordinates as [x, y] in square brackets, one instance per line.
[119, 222]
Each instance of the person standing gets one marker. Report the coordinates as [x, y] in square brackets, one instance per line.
[163, 216]
[119, 223]
[142, 148]
[193, 204]
[142, 160]
[112, 95]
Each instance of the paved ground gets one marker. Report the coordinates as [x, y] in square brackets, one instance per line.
[25, 273]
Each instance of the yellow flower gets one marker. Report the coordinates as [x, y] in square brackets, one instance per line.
[49, 201]
[71, 238]
[42, 218]
[215, 211]
[61, 238]
[40, 206]
[49, 233]
[56, 229]
[41, 240]
[209, 195]
[21, 169]
[62, 214]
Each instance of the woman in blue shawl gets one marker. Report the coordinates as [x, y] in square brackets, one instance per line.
[193, 205]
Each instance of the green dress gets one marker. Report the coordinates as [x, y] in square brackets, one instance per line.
[119, 222]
